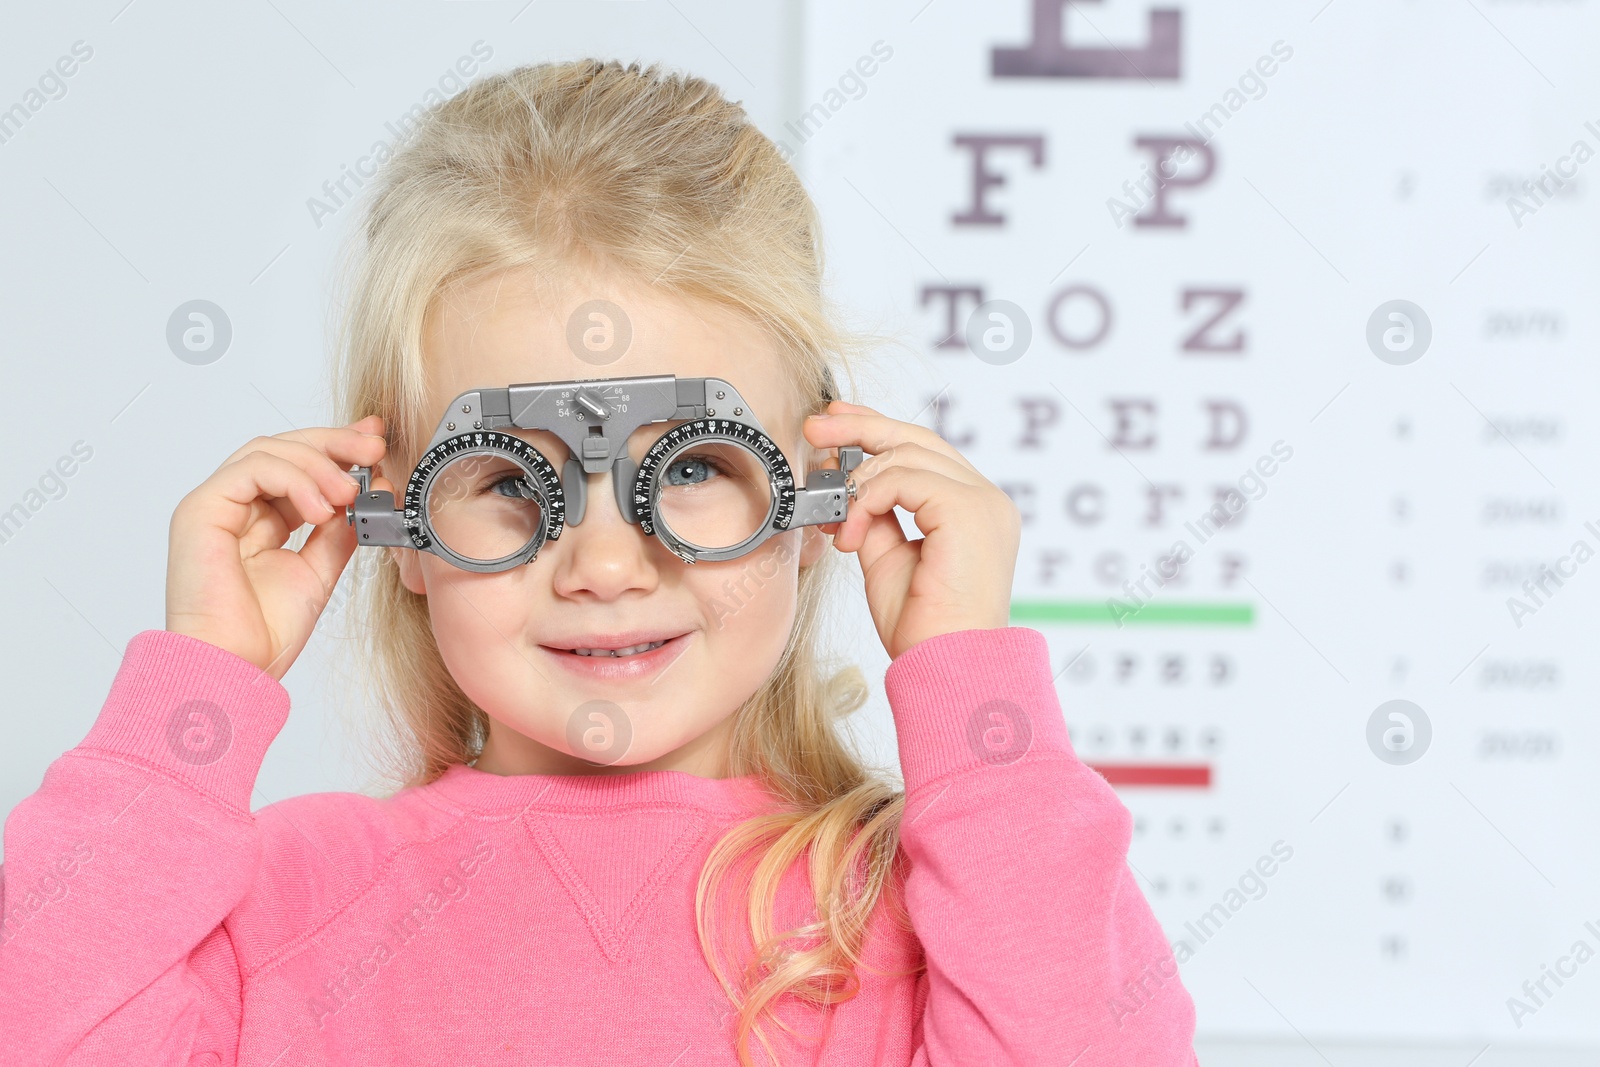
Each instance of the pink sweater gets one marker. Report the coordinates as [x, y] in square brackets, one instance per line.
[150, 918]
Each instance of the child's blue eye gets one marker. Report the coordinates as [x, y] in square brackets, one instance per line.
[515, 486]
[699, 468]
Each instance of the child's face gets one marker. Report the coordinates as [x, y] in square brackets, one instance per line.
[605, 574]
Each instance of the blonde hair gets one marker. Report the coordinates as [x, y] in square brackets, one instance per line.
[656, 175]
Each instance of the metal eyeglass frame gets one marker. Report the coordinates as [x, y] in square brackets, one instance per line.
[595, 417]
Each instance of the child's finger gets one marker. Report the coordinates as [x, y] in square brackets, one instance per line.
[226, 499]
[323, 453]
[328, 550]
[875, 433]
[932, 498]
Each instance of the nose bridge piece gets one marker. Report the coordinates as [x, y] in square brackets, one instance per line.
[575, 486]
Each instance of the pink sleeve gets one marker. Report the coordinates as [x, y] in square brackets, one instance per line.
[1040, 947]
[121, 867]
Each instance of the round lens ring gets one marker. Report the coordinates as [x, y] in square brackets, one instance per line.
[484, 501]
[710, 489]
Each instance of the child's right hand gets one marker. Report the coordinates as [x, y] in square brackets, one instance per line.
[230, 581]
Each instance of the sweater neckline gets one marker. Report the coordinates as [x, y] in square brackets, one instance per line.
[471, 788]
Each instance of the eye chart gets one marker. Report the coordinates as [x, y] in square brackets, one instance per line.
[1276, 323]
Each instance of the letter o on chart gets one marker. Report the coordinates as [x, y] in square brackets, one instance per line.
[1102, 310]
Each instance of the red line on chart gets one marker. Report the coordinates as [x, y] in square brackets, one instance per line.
[1183, 775]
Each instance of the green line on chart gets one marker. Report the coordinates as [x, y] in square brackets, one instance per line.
[1098, 612]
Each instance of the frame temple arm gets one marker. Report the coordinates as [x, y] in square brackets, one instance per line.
[374, 516]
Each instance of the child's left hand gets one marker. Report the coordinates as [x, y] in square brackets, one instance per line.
[958, 575]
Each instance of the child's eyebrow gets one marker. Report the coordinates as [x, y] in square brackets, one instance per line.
[546, 441]
[656, 429]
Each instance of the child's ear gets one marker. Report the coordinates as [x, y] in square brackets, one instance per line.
[410, 564]
[812, 543]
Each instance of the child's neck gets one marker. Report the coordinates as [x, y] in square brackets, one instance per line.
[507, 752]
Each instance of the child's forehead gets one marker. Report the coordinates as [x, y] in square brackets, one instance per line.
[513, 328]
[564, 319]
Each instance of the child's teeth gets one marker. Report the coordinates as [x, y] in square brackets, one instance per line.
[630, 651]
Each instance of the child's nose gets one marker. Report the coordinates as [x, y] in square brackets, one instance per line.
[606, 555]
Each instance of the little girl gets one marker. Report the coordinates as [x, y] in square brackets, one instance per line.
[628, 828]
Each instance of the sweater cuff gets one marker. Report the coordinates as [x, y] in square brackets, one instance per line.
[973, 698]
[197, 711]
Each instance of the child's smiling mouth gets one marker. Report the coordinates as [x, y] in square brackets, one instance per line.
[620, 656]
